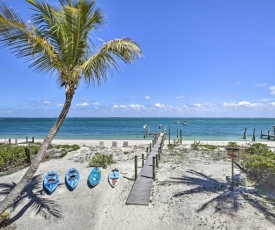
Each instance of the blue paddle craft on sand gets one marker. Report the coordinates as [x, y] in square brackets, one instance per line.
[72, 178]
[114, 177]
[51, 181]
[94, 177]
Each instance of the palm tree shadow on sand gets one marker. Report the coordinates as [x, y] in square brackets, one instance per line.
[226, 201]
[34, 194]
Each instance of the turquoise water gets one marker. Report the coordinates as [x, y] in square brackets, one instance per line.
[230, 129]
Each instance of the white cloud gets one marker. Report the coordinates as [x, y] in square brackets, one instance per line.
[60, 105]
[262, 85]
[197, 104]
[272, 89]
[119, 106]
[158, 105]
[226, 104]
[96, 103]
[179, 97]
[247, 104]
[136, 106]
[147, 98]
[83, 104]
[46, 102]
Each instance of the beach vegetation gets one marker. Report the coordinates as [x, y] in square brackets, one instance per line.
[102, 160]
[195, 145]
[5, 224]
[259, 163]
[60, 39]
[170, 146]
[12, 156]
[70, 148]
[211, 147]
[232, 144]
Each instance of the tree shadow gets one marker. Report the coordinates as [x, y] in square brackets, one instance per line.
[34, 194]
[226, 201]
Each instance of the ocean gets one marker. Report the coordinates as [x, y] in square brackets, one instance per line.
[227, 129]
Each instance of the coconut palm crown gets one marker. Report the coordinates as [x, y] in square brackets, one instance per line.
[59, 40]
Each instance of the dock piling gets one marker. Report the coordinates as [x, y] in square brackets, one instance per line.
[136, 167]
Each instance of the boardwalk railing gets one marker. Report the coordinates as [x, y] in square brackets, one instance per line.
[141, 190]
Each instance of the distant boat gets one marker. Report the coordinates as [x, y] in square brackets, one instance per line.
[177, 122]
[185, 123]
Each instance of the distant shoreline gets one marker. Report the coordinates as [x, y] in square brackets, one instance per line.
[120, 142]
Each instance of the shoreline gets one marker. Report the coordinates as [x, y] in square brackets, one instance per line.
[120, 142]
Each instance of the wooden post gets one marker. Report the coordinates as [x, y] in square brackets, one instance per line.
[32, 139]
[16, 141]
[169, 136]
[154, 168]
[254, 135]
[135, 167]
[232, 155]
[26, 139]
[157, 160]
[153, 143]
[181, 137]
[150, 147]
[244, 134]
[159, 151]
[142, 157]
[9, 141]
[232, 174]
[268, 135]
[177, 133]
[261, 134]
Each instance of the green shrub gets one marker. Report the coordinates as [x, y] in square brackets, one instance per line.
[170, 146]
[259, 161]
[232, 144]
[212, 147]
[101, 160]
[11, 156]
[68, 147]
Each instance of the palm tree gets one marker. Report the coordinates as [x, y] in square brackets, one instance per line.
[59, 40]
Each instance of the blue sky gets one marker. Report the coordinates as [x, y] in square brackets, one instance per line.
[202, 58]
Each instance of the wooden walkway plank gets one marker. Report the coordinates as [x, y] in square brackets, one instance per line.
[141, 190]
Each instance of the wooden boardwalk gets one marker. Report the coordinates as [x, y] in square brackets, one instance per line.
[141, 191]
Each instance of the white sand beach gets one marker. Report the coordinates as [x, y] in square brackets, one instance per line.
[191, 192]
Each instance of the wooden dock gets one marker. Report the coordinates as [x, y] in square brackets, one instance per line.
[268, 135]
[141, 190]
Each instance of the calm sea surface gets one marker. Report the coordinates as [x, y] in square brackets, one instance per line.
[229, 129]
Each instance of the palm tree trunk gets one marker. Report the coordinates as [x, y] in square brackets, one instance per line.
[16, 192]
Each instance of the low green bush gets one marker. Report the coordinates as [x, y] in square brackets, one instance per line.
[101, 160]
[11, 156]
[259, 161]
[212, 147]
[232, 144]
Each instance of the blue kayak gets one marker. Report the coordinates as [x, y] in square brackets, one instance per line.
[94, 177]
[51, 181]
[72, 178]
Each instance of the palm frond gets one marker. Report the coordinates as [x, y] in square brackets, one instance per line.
[97, 67]
[25, 40]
